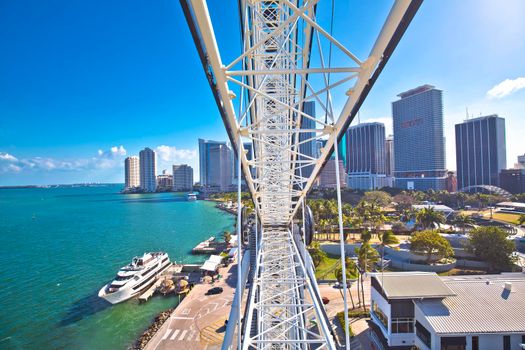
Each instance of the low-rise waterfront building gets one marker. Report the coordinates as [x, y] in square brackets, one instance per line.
[512, 180]
[425, 311]
[164, 181]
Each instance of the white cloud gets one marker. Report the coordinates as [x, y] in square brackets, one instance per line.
[173, 154]
[7, 157]
[114, 151]
[506, 87]
[105, 159]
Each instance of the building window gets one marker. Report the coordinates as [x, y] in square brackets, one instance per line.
[453, 343]
[506, 342]
[402, 325]
[381, 315]
[423, 334]
[475, 343]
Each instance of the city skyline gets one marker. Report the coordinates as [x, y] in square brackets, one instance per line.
[115, 86]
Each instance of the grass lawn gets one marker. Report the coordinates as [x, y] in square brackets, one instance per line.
[510, 218]
[326, 269]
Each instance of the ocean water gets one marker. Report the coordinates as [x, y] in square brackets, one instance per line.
[59, 246]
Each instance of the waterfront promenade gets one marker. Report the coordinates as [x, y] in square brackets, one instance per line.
[198, 322]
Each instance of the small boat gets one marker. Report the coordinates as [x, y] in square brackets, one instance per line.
[135, 277]
[192, 196]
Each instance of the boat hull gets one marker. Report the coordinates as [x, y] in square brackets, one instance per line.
[127, 292]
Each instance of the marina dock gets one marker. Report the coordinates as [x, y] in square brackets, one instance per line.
[209, 246]
[149, 292]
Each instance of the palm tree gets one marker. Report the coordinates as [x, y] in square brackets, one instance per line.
[386, 238]
[367, 257]
[427, 217]
[351, 274]
[463, 221]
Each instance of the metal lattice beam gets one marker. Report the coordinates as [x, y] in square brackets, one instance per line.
[282, 66]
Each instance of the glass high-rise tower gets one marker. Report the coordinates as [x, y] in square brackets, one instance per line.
[419, 145]
[365, 157]
[480, 151]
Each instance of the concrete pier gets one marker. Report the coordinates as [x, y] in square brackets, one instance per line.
[198, 322]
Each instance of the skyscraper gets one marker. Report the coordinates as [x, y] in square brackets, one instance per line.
[308, 148]
[215, 160]
[389, 155]
[480, 151]
[215, 171]
[521, 162]
[148, 170]
[365, 156]
[131, 172]
[419, 149]
[328, 178]
[182, 177]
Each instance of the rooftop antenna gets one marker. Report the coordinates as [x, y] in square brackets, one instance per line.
[358, 117]
[466, 111]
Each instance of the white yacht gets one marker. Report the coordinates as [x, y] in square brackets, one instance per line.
[135, 277]
[192, 196]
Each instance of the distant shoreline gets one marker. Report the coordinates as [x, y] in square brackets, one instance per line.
[89, 184]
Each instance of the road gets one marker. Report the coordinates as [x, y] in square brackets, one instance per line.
[198, 322]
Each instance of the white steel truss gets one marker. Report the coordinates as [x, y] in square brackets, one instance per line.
[276, 74]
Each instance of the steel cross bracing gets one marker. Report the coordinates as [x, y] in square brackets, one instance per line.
[276, 73]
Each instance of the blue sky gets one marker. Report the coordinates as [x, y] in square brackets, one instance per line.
[85, 83]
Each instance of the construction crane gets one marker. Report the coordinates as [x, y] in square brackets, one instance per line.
[289, 59]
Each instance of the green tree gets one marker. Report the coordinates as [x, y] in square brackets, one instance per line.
[351, 274]
[403, 201]
[316, 253]
[226, 235]
[427, 217]
[491, 244]
[463, 221]
[430, 243]
[377, 198]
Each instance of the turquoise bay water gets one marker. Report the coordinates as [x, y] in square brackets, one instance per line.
[59, 246]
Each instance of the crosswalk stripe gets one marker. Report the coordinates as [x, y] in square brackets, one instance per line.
[167, 334]
[175, 332]
[192, 333]
[183, 334]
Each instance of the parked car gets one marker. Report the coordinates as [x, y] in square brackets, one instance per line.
[214, 290]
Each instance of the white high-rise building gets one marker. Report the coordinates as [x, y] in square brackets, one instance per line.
[215, 160]
[131, 172]
[148, 170]
[182, 177]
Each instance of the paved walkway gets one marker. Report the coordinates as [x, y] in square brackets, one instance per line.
[198, 322]
[360, 341]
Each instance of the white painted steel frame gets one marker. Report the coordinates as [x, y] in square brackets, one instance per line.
[273, 72]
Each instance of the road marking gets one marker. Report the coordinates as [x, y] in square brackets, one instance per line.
[192, 333]
[183, 334]
[186, 311]
[167, 334]
[175, 334]
[182, 318]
